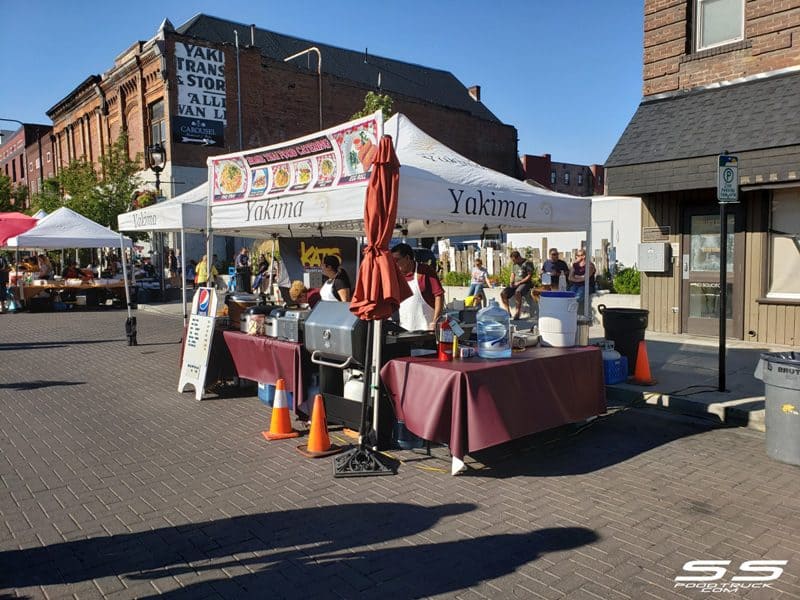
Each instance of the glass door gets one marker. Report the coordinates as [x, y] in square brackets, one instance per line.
[701, 269]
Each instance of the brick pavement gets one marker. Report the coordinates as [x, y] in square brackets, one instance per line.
[114, 485]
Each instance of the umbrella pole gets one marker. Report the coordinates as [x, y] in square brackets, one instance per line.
[362, 461]
[376, 377]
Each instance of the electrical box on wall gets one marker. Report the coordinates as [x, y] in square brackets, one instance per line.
[655, 257]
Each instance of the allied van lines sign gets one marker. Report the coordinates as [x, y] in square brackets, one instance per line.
[202, 113]
[728, 179]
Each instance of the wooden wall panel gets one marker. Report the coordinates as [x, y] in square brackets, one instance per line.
[661, 291]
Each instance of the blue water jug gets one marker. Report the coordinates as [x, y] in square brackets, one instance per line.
[494, 332]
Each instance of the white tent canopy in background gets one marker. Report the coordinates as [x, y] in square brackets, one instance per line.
[64, 228]
[186, 212]
[40, 214]
[440, 193]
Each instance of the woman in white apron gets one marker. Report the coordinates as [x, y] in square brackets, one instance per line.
[337, 287]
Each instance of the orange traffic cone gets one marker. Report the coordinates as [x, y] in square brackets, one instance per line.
[319, 442]
[641, 374]
[280, 428]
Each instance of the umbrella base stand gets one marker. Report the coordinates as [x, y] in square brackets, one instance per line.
[361, 462]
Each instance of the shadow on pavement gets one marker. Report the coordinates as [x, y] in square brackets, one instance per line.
[577, 449]
[304, 552]
[35, 385]
[59, 344]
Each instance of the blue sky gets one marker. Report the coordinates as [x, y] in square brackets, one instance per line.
[566, 74]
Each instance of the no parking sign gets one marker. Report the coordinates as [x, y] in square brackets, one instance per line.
[728, 179]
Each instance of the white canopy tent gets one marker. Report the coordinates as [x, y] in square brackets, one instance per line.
[186, 212]
[64, 228]
[263, 191]
[317, 184]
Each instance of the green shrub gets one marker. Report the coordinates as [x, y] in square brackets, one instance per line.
[627, 281]
[456, 278]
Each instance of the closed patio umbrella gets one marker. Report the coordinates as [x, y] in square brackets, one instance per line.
[380, 288]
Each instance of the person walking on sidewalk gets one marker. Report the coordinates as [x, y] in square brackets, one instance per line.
[4, 268]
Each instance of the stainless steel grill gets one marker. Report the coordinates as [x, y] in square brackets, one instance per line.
[335, 336]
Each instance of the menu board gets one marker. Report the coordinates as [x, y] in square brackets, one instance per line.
[339, 156]
[197, 345]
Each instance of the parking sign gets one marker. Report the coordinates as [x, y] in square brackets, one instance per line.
[728, 179]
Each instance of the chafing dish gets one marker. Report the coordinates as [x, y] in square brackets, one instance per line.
[290, 325]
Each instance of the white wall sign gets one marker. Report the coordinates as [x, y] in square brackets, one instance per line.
[202, 111]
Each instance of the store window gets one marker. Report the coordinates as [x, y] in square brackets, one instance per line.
[580, 178]
[718, 22]
[158, 126]
[784, 245]
[553, 177]
[566, 177]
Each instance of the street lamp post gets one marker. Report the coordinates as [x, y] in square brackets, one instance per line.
[319, 74]
[157, 158]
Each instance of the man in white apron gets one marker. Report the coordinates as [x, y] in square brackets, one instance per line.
[421, 311]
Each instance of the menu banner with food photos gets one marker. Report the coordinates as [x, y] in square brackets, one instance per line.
[305, 255]
[334, 158]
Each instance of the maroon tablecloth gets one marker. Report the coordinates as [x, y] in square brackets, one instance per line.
[266, 359]
[476, 403]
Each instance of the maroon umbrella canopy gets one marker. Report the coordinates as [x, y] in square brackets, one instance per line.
[14, 223]
[380, 287]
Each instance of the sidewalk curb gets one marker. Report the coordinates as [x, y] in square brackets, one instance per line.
[748, 412]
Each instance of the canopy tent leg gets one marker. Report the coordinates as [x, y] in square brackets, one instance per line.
[183, 277]
[130, 323]
[271, 266]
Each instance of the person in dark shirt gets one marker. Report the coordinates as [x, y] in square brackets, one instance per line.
[337, 287]
[552, 269]
[262, 274]
[520, 283]
[148, 268]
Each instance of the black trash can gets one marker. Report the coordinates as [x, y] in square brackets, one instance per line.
[780, 372]
[625, 327]
[244, 281]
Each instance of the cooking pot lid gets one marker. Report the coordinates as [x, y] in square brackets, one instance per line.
[244, 297]
[261, 309]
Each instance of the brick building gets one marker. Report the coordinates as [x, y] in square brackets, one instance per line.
[567, 178]
[26, 156]
[720, 76]
[181, 89]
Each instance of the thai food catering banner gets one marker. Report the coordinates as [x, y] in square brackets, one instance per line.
[316, 178]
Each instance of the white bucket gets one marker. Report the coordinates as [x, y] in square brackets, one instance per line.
[558, 319]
